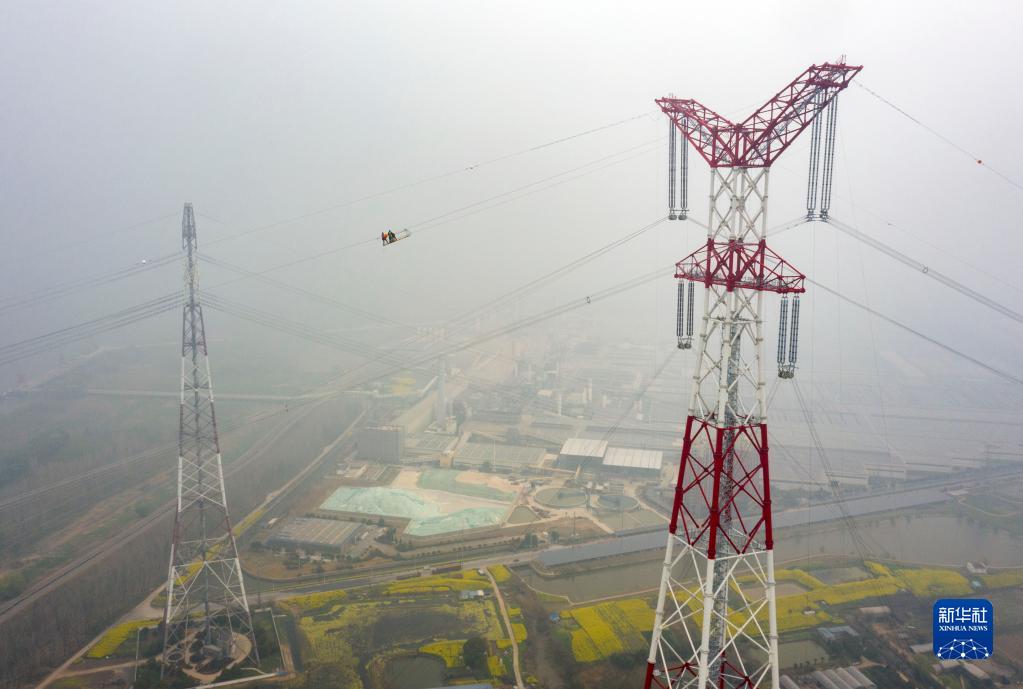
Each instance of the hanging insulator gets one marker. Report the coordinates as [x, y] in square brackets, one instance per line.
[683, 209]
[783, 327]
[672, 214]
[829, 158]
[815, 156]
[684, 317]
[679, 325]
[689, 316]
[794, 336]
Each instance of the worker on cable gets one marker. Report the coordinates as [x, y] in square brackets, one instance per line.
[390, 237]
[383, 238]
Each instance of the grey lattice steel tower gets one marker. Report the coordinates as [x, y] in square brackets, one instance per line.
[716, 619]
[207, 614]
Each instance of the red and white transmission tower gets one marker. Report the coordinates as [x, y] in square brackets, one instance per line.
[716, 621]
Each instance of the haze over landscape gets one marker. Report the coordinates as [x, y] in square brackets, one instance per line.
[452, 459]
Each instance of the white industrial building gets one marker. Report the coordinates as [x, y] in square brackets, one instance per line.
[632, 461]
[589, 453]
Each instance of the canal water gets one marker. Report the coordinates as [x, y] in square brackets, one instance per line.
[934, 540]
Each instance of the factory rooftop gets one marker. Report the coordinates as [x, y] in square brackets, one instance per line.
[629, 458]
[306, 531]
[584, 447]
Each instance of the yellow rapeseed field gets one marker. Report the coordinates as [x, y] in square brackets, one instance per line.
[804, 579]
[316, 601]
[582, 647]
[464, 581]
[1010, 577]
[500, 573]
[930, 583]
[116, 636]
[609, 628]
[495, 666]
[878, 568]
[449, 651]
[638, 613]
[792, 609]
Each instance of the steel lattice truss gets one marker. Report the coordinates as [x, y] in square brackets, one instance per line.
[743, 656]
[716, 623]
[728, 375]
[736, 254]
[205, 591]
[758, 140]
[716, 618]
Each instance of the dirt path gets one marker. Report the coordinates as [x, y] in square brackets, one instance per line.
[511, 632]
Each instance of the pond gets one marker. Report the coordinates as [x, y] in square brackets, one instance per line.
[414, 672]
[611, 581]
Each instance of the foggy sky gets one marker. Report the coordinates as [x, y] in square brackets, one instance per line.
[115, 113]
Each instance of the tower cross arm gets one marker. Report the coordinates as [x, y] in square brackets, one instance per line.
[759, 139]
[770, 130]
[711, 134]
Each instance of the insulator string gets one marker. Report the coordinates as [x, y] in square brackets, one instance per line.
[829, 158]
[794, 334]
[672, 214]
[815, 156]
[783, 325]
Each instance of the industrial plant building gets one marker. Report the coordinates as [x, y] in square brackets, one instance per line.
[314, 534]
[381, 444]
[593, 455]
[626, 460]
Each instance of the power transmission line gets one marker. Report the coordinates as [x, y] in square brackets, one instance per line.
[425, 180]
[973, 156]
[62, 289]
[902, 326]
[32, 346]
[925, 269]
[75, 286]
